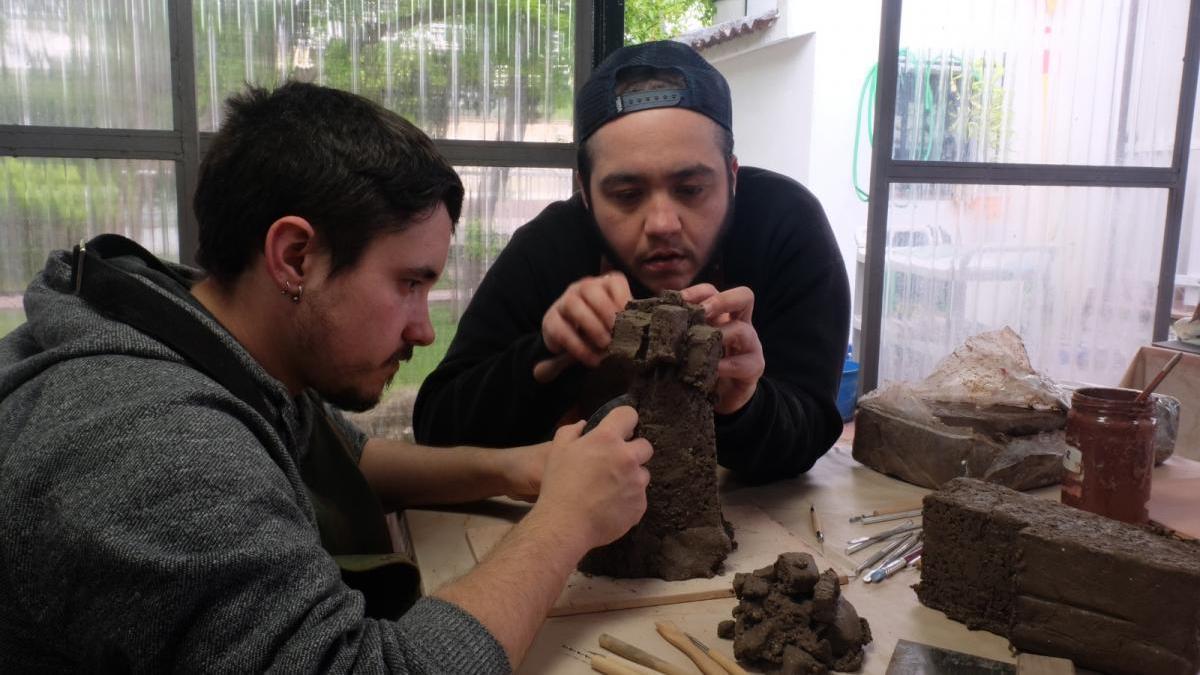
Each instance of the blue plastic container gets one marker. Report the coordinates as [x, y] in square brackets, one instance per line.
[848, 392]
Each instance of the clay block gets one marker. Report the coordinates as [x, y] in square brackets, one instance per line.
[846, 630]
[682, 535]
[668, 326]
[796, 661]
[1055, 580]
[929, 455]
[796, 572]
[1014, 447]
[629, 334]
[997, 420]
[704, 351]
[1092, 643]
[825, 597]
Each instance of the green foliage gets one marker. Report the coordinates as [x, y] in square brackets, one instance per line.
[647, 20]
[478, 244]
[425, 359]
[47, 200]
[9, 320]
[985, 100]
[428, 61]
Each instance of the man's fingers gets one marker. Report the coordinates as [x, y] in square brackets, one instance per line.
[743, 358]
[591, 322]
[548, 370]
[739, 337]
[740, 367]
[622, 421]
[698, 293]
[569, 432]
[642, 450]
[570, 341]
[738, 303]
[618, 288]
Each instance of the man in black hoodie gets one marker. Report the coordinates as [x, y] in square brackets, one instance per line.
[662, 205]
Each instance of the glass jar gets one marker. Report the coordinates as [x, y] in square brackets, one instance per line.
[1110, 453]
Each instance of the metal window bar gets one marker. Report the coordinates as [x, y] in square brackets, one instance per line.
[886, 171]
[599, 30]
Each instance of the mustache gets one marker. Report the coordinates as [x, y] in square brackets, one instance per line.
[404, 354]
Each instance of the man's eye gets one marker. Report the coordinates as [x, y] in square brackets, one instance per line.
[412, 284]
[627, 195]
[689, 190]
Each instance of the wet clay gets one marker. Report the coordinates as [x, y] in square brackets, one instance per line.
[790, 619]
[665, 358]
[1107, 467]
[1055, 580]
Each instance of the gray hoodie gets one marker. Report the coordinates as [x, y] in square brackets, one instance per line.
[154, 522]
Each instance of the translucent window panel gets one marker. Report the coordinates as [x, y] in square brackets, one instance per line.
[1074, 270]
[85, 63]
[1093, 82]
[460, 69]
[498, 201]
[49, 204]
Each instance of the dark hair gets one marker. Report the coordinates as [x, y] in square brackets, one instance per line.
[646, 78]
[345, 164]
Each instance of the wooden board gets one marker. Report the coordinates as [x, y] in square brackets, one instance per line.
[760, 541]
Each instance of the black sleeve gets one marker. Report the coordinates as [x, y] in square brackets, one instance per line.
[483, 391]
[802, 316]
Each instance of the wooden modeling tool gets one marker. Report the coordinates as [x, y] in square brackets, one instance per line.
[1162, 374]
[672, 634]
[638, 655]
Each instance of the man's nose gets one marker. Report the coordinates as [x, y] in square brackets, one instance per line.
[419, 330]
[662, 217]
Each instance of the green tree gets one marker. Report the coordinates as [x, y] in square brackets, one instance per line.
[647, 20]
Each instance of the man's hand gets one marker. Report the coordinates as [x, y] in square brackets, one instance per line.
[597, 482]
[578, 326]
[742, 366]
[522, 470]
[593, 490]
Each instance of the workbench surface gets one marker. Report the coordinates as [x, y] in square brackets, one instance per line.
[839, 487]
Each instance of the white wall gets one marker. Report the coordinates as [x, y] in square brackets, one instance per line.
[795, 102]
[775, 135]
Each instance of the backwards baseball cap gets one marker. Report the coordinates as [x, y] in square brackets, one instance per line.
[705, 90]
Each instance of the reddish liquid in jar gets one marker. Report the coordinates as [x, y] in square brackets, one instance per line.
[1110, 455]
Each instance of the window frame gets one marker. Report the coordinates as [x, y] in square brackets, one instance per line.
[599, 29]
[886, 171]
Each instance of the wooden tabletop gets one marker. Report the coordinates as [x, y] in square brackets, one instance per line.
[837, 485]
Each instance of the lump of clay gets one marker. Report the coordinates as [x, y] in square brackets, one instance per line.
[790, 619]
[983, 413]
[665, 358]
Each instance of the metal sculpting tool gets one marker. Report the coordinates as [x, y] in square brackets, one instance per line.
[860, 543]
[816, 526]
[722, 660]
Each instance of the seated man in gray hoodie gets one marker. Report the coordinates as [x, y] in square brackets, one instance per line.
[179, 489]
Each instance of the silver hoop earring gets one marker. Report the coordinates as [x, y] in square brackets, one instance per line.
[299, 292]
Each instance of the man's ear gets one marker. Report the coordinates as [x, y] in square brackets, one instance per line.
[289, 250]
[582, 192]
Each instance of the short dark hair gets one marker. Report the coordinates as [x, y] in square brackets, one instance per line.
[646, 78]
[345, 164]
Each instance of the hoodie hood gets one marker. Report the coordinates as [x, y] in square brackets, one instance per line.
[61, 326]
